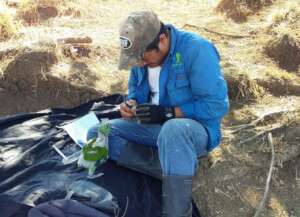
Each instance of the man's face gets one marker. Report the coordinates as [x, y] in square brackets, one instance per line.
[152, 58]
[155, 57]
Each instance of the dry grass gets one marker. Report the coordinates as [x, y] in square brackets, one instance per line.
[289, 14]
[7, 28]
[286, 21]
[277, 207]
[241, 88]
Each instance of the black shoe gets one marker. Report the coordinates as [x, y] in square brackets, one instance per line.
[177, 196]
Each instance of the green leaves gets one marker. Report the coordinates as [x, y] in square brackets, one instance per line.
[92, 152]
[104, 128]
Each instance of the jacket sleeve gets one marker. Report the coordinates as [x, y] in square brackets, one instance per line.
[132, 84]
[209, 89]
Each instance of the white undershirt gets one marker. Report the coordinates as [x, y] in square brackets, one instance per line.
[153, 78]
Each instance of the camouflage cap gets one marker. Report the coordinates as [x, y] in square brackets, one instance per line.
[136, 33]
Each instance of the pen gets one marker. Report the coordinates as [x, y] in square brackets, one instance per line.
[126, 103]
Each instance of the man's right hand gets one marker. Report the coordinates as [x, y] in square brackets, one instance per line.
[126, 111]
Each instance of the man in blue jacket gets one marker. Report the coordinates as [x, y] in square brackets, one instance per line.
[176, 101]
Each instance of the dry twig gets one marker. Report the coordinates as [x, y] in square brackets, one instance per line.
[235, 129]
[218, 33]
[262, 203]
[277, 126]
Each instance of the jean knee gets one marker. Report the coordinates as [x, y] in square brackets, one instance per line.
[177, 152]
[173, 128]
[92, 132]
[117, 125]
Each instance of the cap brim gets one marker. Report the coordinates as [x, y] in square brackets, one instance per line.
[127, 61]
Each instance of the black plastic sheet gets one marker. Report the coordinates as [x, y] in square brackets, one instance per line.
[31, 172]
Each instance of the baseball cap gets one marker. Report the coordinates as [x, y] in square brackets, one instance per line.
[136, 33]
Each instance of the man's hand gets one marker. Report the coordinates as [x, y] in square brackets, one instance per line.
[153, 114]
[126, 111]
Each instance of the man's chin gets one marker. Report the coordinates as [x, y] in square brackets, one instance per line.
[152, 65]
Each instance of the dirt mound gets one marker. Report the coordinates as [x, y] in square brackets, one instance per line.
[285, 51]
[81, 74]
[47, 12]
[238, 10]
[33, 11]
[7, 29]
[280, 86]
[75, 51]
[28, 85]
[8, 53]
[21, 74]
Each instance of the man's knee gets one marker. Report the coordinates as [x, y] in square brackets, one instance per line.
[170, 134]
[174, 127]
[118, 125]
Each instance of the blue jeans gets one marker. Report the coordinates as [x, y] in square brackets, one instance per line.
[179, 141]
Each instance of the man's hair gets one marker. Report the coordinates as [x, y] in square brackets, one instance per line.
[154, 44]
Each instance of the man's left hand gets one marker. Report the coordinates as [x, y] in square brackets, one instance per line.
[153, 114]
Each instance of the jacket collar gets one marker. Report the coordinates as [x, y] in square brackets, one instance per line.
[173, 40]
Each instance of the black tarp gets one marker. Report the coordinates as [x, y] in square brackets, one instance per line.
[31, 172]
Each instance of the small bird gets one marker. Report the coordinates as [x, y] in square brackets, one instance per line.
[95, 151]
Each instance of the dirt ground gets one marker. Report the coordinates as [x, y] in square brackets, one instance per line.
[66, 53]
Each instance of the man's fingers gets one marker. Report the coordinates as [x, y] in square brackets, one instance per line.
[125, 114]
[131, 102]
[144, 120]
[142, 114]
[140, 109]
[125, 108]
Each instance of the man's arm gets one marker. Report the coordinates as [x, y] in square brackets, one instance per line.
[126, 111]
[208, 86]
[132, 84]
[178, 112]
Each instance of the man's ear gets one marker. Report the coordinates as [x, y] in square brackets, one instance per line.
[162, 37]
[162, 41]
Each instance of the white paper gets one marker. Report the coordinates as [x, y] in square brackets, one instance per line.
[79, 128]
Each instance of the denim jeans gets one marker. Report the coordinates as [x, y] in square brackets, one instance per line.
[179, 141]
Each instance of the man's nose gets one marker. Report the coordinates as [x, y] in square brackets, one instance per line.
[142, 63]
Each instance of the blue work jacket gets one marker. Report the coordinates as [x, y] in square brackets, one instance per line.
[190, 78]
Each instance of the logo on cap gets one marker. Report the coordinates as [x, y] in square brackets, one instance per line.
[125, 42]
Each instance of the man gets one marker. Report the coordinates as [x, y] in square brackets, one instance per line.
[177, 98]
